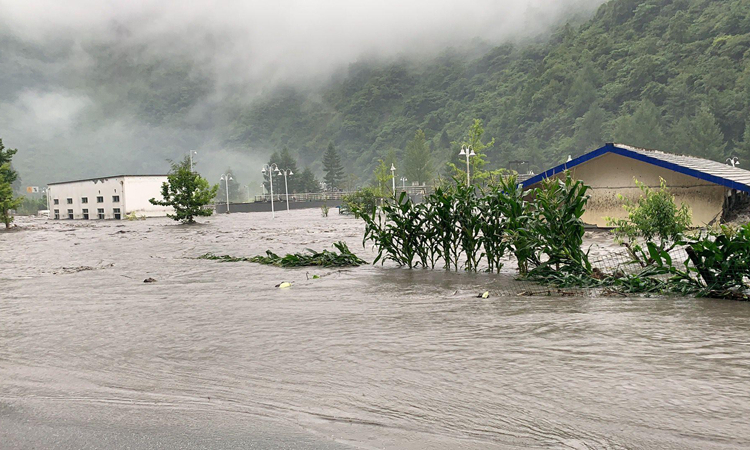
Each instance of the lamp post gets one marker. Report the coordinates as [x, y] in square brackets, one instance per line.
[272, 170]
[467, 151]
[734, 161]
[393, 178]
[225, 178]
[192, 152]
[403, 183]
[286, 186]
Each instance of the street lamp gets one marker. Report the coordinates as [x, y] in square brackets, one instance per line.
[191, 159]
[467, 151]
[734, 161]
[393, 178]
[272, 170]
[225, 178]
[286, 186]
[403, 183]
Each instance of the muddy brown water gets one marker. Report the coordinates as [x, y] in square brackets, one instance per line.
[371, 357]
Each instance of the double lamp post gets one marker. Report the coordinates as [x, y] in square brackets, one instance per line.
[272, 170]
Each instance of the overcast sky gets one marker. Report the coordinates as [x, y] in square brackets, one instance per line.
[251, 44]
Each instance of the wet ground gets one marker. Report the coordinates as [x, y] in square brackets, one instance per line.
[212, 355]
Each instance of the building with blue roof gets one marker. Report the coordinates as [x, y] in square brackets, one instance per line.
[708, 187]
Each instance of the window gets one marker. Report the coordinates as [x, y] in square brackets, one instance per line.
[57, 201]
[57, 212]
[100, 213]
[115, 199]
[85, 214]
[84, 199]
[70, 214]
[70, 201]
[116, 213]
[100, 199]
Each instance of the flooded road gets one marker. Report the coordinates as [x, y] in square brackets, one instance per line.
[212, 355]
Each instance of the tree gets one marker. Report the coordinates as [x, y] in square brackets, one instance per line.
[7, 176]
[743, 147]
[383, 177]
[235, 193]
[307, 181]
[333, 168]
[288, 162]
[418, 159]
[476, 163]
[589, 130]
[699, 136]
[187, 192]
[643, 128]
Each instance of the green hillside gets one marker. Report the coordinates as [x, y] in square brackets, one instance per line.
[672, 75]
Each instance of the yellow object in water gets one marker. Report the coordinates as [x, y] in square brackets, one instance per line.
[284, 285]
[486, 294]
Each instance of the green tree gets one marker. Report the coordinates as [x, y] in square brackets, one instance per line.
[307, 181]
[699, 136]
[186, 192]
[288, 162]
[418, 159]
[643, 128]
[474, 142]
[589, 130]
[383, 177]
[235, 193]
[8, 201]
[333, 168]
[743, 147]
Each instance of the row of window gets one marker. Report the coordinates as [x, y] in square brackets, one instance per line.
[100, 199]
[99, 214]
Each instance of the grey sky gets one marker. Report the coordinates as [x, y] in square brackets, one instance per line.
[243, 46]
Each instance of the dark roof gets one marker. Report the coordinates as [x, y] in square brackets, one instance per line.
[703, 169]
[102, 178]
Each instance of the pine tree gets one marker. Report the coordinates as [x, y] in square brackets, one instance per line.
[288, 162]
[333, 168]
[589, 130]
[643, 128]
[418, 159]
[699, 136]
[307, 181]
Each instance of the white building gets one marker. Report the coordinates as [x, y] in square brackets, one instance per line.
[107, 198]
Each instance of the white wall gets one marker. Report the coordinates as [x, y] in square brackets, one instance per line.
[138, 191]
[133, 192]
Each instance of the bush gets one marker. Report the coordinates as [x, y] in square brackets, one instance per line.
[654, 217]
[363, 201]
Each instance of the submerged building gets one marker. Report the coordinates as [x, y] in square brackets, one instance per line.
[708, 187]
[107, 197]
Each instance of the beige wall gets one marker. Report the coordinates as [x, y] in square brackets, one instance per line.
[611, 174]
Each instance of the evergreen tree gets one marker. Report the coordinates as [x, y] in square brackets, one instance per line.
[307, 181]
[278, 178]
[589, 130]
[643, 128]
[699, 136]
[743, 147]
[186, 192]
[333, 168]
[8, 176]
[418, 159]
[288, 162]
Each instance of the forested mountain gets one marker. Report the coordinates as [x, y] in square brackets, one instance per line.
[666, 74]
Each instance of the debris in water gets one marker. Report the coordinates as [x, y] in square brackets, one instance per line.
[149, 280]
[284, 285]
[485, 294]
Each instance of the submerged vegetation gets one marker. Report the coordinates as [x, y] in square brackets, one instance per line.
[460, 226]
[326, 258]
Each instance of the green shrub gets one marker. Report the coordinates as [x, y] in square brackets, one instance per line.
[363, 201]
[653, 217]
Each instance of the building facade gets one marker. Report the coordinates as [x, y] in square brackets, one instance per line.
[707, 187]
[106, 198]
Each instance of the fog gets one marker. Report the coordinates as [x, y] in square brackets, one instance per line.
[75, 76]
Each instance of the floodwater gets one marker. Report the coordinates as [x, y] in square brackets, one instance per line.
[213, 355]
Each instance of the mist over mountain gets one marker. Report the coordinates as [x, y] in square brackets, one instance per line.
[91, 88]
[94, 89]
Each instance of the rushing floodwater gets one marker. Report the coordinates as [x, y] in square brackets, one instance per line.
[374, 357]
